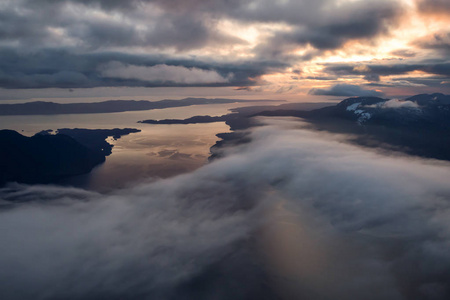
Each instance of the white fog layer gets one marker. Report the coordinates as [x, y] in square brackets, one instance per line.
[318, 217]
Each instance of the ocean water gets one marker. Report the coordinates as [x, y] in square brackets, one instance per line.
[158, 151]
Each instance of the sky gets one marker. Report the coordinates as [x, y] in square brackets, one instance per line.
[234, 48]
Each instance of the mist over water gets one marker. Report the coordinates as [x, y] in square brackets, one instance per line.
[294, 214]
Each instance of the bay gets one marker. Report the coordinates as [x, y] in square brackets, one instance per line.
[158, 151]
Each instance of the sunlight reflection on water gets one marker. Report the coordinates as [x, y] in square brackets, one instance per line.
[158, 151]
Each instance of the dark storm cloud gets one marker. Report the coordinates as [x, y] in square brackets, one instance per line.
[105, 4]
[438, 72]
[372, 77]
[71, 67]
[21, 26]
[433, 83]
[322, 24]
[404, 53]
[176, 6]
[437, 82]
[126, 25]
[439, 42]
[62, 68]
[353, 22]
[374, 71]
[86, 27]
[345, 90]
[358, 69]
[13, 26]
[179, 33]
[333, 221]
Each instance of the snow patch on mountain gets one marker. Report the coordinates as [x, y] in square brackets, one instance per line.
[363, 116]
[353, 107]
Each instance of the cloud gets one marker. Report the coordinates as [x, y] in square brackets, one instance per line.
[324, 78]
[437, 68]
[65, 69]
[408, 82]
[438, 41]
[182, 30]
[433, 6]
[404, 53]
[342, 24]
[162, 73]
[92, 25]
[155, 241]
[345, 90]
[299, 211]
[396, 103]
[318, 26]
[372, 77]
[276, 36]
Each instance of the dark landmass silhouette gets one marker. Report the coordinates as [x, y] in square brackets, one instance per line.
[191, 120]
[43, 158]
[251, 110]
[112, 106]
[418, 125]
[96, 138]
[47, 157]
[239, 117]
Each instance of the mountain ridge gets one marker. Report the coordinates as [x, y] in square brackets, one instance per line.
[110, 106]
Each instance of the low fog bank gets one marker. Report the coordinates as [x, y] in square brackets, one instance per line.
[293, 214]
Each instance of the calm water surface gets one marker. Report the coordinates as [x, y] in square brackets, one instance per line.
[158, 151]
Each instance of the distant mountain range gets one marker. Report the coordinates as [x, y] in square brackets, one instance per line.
[420, 110]
[418, 125]
[112, 106]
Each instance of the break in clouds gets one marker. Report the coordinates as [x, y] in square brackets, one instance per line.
[295, 213]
